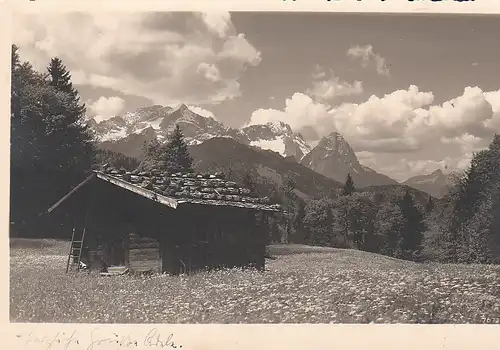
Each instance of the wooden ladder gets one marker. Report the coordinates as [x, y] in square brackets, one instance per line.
[75, 251]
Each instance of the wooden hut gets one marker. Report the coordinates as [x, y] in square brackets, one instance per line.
[166, 223]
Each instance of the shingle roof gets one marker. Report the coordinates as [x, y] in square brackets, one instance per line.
[209, 189]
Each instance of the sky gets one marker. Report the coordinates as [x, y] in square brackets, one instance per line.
[410, 93]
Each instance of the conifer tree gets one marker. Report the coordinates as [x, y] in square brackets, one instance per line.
[176, 153]
[68, 137]
[171, 157]
[27, 187]
[60, 78]
[429, 206]
[51, 150]
[348, 188]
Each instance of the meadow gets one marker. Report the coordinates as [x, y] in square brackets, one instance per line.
[302, 285]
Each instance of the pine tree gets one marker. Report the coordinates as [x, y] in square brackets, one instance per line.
[177, 154]
[348, 186]
[68, 137]
[60, 78]
[429, 206]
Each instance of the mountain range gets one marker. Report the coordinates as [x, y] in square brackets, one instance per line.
[127, 133]
[332, 157]
[436, 183]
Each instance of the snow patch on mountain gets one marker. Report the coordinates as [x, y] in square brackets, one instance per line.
[114, 134]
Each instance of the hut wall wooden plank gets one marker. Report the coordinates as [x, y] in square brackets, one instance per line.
[144, 255]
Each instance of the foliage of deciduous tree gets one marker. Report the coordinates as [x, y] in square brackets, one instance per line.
[299, 234]
[413, 228]
[389, 223]
[318, 222]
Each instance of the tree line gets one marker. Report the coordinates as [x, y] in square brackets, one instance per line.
[463, 227]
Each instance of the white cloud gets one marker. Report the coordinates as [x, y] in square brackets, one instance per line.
[426, 136]
[218, 22]
[467, 143]
[493, 97]
[209, 71]
[300, 110]
[381, 124]
[333, 87]
[192, 58]
[466, 113]
[367, 56]
[237, 49]
[106, 107]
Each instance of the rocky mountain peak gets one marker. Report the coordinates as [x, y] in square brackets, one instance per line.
[334, 157]
[279, 127]
[334, 144]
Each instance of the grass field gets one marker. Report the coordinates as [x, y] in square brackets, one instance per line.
[303, 285]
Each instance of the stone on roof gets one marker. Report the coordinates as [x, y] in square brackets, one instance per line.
[191, 187]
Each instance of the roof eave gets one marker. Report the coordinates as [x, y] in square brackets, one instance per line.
[242, 205]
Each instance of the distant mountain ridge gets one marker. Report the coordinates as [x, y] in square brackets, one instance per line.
[435, 183]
